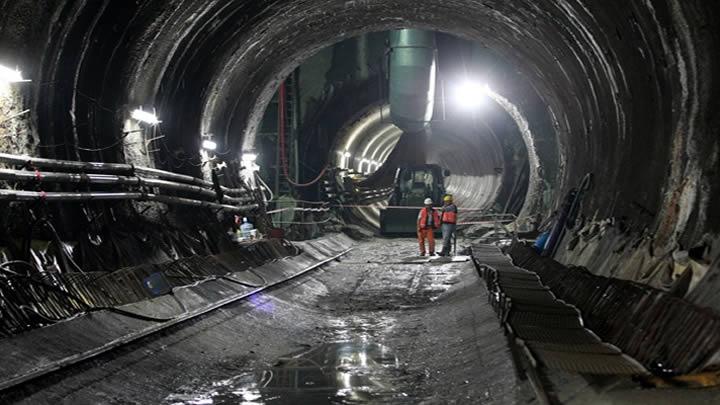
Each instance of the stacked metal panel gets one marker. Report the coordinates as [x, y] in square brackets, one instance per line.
[549, 330]
[668, 335]
[31, 301]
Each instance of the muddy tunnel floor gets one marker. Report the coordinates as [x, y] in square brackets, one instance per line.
[366, 328]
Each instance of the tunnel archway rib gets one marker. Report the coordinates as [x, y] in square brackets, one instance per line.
[586, 77]
[620, 81]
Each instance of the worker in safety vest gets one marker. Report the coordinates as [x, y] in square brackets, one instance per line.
[428, 221]
[449, 224]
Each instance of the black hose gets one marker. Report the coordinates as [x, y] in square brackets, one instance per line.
[242, 283]
[251, 270]
[65, 256]
[225, 277]
[13, 262]
[80, 301]
[134, 315]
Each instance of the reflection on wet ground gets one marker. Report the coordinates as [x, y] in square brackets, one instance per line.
[333, 373]
[376, 298]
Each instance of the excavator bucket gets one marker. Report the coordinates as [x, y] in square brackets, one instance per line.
[398, 221]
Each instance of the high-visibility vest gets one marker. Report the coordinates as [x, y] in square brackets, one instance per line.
[449, 214]
[423, 218]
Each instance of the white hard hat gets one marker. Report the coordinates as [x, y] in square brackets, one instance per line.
[428, 201]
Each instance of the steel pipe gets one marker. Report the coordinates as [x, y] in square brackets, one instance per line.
[19, 195]
[198, 203]
[412, 79]
[100, 167]
[16, 195]
[169, 185]
[30, 161]
[22, 176]
[109, 179]
[183, 178]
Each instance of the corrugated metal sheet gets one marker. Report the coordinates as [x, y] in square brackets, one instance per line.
[551, 329]
[668, 335]
[28, 302]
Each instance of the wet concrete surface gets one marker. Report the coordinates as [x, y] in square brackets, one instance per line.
[369, 328]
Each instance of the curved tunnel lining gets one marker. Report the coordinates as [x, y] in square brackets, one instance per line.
[472, 161]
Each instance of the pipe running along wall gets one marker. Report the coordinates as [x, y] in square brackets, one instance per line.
[97, 173]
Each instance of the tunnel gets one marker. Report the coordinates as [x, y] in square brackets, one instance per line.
[221, 201]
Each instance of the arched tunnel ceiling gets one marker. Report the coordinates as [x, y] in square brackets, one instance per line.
[624, 90]
[627, 84]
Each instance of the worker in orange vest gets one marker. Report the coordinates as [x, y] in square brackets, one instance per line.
[449, 224]
[428, 221]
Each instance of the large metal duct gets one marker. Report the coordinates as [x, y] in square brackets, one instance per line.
[412, 79]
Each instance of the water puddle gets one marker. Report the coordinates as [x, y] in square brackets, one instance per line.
[365, 328]
[333, 373]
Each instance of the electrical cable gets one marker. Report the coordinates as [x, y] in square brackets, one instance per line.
[265, 186]
[224, 277]
[134, 315]
[104, 148]
[88, 149]
[183, 161]
[37, 313]
[303, 223]
[57, 145]
[296, 209]
[89, 308]
[282, 146]
[214, 277]
[306, 202]
[242, 283]
[61, 246]
[251, 270]
[13, 262]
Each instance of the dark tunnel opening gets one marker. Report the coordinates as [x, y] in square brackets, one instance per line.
[141, 141]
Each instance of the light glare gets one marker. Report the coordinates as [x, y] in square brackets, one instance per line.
[249, 157]
[146, 117]
[8, 75]
[248, 161]
[471, 95]
[209, 145]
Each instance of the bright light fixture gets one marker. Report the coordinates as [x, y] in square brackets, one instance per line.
[471, 95]
[344, 159]
[144, 116]
[209, 145]
[248, 161]
[8, 75]
[249, 157]
[364, 162]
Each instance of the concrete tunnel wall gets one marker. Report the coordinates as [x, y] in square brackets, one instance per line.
[629, 86]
